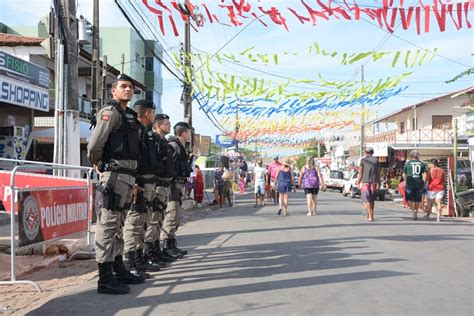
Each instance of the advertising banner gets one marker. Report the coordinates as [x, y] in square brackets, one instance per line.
[48, 214]
[29, 180]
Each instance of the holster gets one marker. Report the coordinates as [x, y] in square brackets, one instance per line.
[158, 206]
[175, 193]
[140, 203]
[110, 199]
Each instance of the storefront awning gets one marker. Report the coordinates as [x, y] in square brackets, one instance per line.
[437, 147]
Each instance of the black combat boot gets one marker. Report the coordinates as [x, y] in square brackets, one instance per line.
[170, 248]
[144, 265]
[176, 249]
[107, 283]
[123, 275]
[159, 255]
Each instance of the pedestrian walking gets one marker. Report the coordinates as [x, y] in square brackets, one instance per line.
[368, 180]
[310, 180]
[219, 184]
[284, 182]
[260, 176]
[401, 190]
[113, 150]
[273, 169]
[414, 173]
[182, 166]
[242, 183]
[436, 181]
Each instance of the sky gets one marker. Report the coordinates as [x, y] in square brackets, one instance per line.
[454, 54]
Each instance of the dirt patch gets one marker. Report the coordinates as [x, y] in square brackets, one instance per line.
[56, 277]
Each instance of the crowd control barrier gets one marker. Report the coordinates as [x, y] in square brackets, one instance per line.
[48, 207]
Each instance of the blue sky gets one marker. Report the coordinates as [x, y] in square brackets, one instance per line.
[455, 49]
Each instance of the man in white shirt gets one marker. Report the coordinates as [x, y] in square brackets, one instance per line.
[259, 176]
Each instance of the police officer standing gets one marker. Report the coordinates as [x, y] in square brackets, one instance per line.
[139, 214]
[183, 169]
[114, 150]
[165, 173]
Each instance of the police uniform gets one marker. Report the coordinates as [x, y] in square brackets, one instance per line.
[113, 147]
[165, 173]
[139, 214]
[173, 210]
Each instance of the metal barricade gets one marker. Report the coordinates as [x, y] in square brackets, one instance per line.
[34, 165]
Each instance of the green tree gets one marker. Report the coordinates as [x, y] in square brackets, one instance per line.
[309, 151]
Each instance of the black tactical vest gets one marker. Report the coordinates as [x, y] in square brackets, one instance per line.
[166, 166]
[123, 144]
[181, 164]
[149, 157]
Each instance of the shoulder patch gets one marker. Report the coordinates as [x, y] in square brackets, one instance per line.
[105, 117]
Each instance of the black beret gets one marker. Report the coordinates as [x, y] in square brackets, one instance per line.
[161, 117]
[145, 103]
[123, 77]
[182, 124]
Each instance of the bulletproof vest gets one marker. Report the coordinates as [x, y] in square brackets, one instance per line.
[166, 163]
[123, 144]
[149, 157]
[182, 165]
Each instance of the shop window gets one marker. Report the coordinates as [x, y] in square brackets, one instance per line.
[402, 127]
[442, 121]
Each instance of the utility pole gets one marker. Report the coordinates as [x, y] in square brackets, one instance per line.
[362, 115]
[187, 98]
[71, 128]
[95, 76]
[455, 157]
[236, 128]
[104, 77]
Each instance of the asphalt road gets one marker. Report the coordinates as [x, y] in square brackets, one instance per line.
[249, 261]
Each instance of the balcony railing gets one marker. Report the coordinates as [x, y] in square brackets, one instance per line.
[420, 136]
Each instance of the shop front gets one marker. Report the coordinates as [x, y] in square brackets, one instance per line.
[24, 89]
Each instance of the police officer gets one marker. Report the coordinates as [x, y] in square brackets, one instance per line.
[113, 150]
[138, 215]
[164, 176]
[183, 169]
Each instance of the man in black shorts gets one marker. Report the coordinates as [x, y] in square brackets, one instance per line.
[414, 173]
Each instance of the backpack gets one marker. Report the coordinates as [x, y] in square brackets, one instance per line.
[310, 178]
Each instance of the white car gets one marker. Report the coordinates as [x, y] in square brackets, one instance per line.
[350, 188]
[334, 179]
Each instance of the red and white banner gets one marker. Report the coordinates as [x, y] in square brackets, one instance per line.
[29, 180]
[48, 214]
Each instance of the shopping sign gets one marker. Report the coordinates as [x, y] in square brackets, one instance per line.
[224, 141]
[29, 180]
[45, 214]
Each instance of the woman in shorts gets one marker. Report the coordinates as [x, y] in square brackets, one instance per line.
[285, 182]
[435, 188]
[310, 181]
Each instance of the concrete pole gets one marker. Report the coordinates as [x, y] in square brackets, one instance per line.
[95, 73]
[455, 156]
[71, 138]
[188, 110]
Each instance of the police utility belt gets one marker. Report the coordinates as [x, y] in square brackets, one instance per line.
[114, 168]
[154, 180]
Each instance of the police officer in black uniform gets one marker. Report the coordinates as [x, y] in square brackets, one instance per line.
[114, 150]
[182, 163]
[164, 177]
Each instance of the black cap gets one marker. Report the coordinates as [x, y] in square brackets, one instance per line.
[182, 124]
[369, 150]
[145, 103]
[124, 77]
[161, 117]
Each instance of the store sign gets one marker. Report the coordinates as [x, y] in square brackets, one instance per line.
[23, 83]
[380, 149]
[224, 141]
[48, 214]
